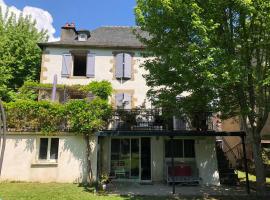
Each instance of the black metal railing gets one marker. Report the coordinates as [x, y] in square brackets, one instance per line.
[138, 119]
[155, 119]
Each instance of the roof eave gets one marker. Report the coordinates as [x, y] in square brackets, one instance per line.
[42, 45]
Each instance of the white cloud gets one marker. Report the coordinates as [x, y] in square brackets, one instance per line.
[43, 18]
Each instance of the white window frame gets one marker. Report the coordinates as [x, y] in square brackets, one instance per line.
[48, 160]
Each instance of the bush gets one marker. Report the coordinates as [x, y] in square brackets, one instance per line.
[87, 117]
[29, 115]
[102, 89]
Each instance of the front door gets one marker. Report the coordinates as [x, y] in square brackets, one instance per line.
[145, 159]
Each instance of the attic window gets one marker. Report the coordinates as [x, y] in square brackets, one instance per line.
[82, 37]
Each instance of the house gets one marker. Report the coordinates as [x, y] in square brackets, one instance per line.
[138, 148]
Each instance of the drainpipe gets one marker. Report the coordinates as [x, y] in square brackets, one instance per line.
[172, 160]
[245, 164]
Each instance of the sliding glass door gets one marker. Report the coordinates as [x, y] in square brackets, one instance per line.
[125, 158]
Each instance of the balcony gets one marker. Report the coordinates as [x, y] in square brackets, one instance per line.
[154, 119]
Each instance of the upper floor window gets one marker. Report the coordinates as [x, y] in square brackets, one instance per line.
[123, 100]
[78, 64]
[123, 66]
[48, 149]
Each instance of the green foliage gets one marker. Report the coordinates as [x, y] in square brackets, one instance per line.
[28, 115]
[80, 116]
[102, 89]
[87, 117]
[218, 51]
[20, 57]
[28, 91]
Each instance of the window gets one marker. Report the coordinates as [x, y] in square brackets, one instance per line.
[82, 37]
[48, 149]
[79, 67]
[180, 148]
[123, 66]
[123, 100]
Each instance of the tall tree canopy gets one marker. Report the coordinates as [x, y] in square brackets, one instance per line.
[219, 52]
[20, 57]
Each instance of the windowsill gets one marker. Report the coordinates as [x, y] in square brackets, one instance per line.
[45, 163]
[78, 77]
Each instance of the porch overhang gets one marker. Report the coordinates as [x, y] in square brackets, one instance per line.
[164, 133]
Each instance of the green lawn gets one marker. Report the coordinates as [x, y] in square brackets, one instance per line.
[56, 191]
[252, 178]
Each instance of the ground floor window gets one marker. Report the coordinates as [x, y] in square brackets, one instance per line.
[125, 159]
[48, 149]
[180, 148]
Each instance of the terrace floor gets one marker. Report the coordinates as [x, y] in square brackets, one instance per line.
[138, 189]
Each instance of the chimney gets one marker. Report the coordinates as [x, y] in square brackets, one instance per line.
[68, 32]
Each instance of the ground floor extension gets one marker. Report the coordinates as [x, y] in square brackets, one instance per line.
[149, 159]
[139, 157]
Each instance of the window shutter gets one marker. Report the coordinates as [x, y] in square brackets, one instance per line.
[90, 70]
[119, 65]
[119, 100]
[128, 64]
[66, 65]
[127, 101]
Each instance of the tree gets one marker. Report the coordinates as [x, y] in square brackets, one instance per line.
[20, 57]
[218, 51]
[87, 117]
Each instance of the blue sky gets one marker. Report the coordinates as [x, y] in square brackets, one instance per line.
[86, 14]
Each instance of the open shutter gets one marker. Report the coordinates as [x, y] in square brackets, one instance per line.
[66, 65]
[90, 70]
[119, 100]
[127, 101]
[119, 65]
[128, 64]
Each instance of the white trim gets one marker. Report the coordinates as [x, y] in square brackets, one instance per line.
[48, 160]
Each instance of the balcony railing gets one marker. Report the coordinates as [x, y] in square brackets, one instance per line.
[138, 119]
[154, 119]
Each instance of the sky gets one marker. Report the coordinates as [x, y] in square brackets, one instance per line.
[86, 14]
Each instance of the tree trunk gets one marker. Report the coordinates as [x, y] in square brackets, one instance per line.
[88, 159]
[259, 166]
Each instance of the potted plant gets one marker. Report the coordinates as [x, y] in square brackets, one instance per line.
[104, 180]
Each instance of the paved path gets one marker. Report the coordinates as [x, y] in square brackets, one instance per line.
[165, 190]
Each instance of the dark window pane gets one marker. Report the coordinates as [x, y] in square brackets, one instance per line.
[189, 149]
[135, 158]
[175, 147]
[115, 149]
[79, 65]
[54, 148]
[43, 148]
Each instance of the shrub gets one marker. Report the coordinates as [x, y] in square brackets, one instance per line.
[87, 117]
[29, 115]
[102, 89]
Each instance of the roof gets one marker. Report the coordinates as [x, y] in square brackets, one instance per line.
[164, 133]
[106, 37]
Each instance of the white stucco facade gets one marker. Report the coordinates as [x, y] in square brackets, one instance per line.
[104, 70]
[21, 159]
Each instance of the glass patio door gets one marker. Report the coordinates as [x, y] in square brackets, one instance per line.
[125, 158]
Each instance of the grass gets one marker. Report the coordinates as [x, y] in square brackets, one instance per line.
[251, 177]
[57, 191]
